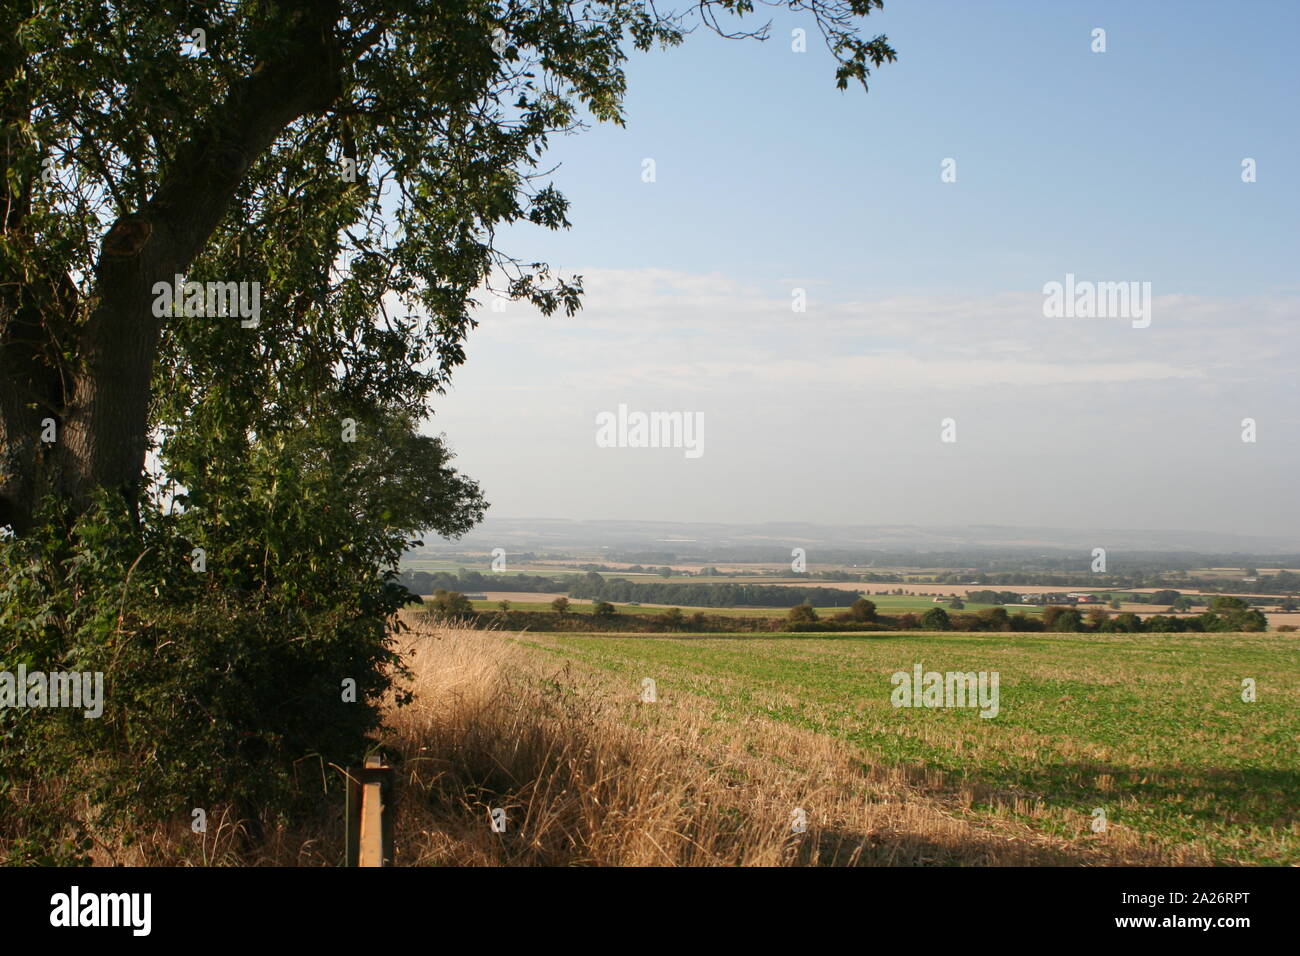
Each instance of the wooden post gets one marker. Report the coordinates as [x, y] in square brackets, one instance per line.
[352, 817]
[375, 814]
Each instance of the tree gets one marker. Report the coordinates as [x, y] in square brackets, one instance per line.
[263, 158]
[1060, 618]
[673, 618]
[1128, 623]
[1051, 614]
[1164, 597]
[862, 610]
[451, 604]
[1068, 620]
[802, 614]
[935, 619]
[957, 604]
[995, 619]
[1233, 614]
[603, 610]
[560, 606]
[1164, 624]
[1225, 603]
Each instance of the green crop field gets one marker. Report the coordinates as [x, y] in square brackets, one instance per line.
[1151, 729]
[920, 603]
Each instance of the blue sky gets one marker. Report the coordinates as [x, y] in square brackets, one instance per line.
[924, 297]
[1066, 158]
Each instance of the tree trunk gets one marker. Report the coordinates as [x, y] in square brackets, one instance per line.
[100, 405]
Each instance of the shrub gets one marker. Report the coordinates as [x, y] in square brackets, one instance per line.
[802, 614]
[936, 619]
[863, 610]
[1126, 623]
[1068, 620]
[994, 619]
[450, 604]
[214, 694]
[1226, 603]
[1051, 614]
[1020, 621]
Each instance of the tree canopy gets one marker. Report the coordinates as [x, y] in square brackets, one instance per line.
[353, 158]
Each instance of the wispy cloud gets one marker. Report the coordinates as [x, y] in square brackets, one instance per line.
[658, 328]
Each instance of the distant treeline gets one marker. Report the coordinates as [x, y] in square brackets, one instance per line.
[802, 619]
[426, 582]
[1226, 614]
[1284, 582]
[622, 591]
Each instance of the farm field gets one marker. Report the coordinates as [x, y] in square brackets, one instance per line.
[872, 588]
[582, 606]
[918, 601]
[1152, 730]
[919, 604]
[885, 604]
[419, 564]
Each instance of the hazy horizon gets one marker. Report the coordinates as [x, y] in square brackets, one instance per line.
[542, 532]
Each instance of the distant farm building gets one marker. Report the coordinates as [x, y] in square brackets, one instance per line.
[1056, 599]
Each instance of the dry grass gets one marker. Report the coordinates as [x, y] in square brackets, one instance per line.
[588, 775]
